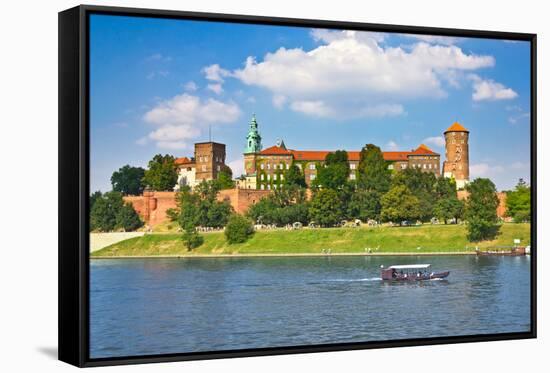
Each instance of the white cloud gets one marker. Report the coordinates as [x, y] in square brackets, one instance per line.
[155, 74]
[278, 101]
[516, 118]
[183, 117]
[351, 70]
[486, 89]
[215, 73]
[438, 141]
[434, 39]
[314, 108]
[216, 88]
[484, 170]
[505, 176]
[381, 110]
[392, 146]
[251, 99]
[190, 86]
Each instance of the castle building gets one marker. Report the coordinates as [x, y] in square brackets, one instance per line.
[208, 160]
[265, 168]
[457, 155]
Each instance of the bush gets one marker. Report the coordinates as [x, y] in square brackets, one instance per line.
[239, 229]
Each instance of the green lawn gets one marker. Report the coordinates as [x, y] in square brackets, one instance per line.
[422, 239]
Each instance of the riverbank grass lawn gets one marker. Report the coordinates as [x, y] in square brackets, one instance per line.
[381, 240]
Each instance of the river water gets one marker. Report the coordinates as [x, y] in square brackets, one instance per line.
[157, 306]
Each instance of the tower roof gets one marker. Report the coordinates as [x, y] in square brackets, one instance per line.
[456, 127]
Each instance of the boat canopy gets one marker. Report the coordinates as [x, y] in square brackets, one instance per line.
[411, 266]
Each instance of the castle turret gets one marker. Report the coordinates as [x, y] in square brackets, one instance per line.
[457, 154]
[253, 147]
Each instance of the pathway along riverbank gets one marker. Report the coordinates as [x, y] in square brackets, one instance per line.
[421, 240]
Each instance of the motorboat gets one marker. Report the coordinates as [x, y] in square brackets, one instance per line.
[411, 272]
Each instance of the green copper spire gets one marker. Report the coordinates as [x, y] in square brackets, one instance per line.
[253, 139]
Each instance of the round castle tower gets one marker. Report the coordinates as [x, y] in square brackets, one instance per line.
[457, 154]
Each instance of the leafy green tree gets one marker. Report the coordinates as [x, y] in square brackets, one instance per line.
[518, 202]
[481, 210]
[225, 178]
[94, 197]
[161, 174]
[281, 207]
[373, 173]
[128, 180]
[103, 215]
[449, 208]
[128, 219]
[191, 238]
[294, 177]
[326, 208]
[239, 229]
[423, 186]
[334, 174]
[399, 204]
[364, 205]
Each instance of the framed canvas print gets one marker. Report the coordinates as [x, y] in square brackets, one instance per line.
[238, 185]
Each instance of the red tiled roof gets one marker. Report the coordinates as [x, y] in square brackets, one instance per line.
[423, 150]
[457, 127]
[395, 156]
[275, 150]
[183, 160]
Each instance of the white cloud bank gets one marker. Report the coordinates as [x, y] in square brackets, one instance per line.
[438, 141]
[183, 117]
[489, 90]
[351, 74]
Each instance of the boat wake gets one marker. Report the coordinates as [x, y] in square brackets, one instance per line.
[354, 280]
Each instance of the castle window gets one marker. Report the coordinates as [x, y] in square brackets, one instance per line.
[312, 166]
[287, 165]
[219, 168]
[312, 177]
[282, 177]
[352, 166]
[390, 167]
[269, 166]
[206, 158]
[262, 177]
[200, 158]
[262, 187]
[352, 176]
[268, 176]
[262, 166]
[403, 166]
[430, 166]
[203, 168]
[275, 186]
[280, 166]
[424, 165]
[268, 187]
[275, 177]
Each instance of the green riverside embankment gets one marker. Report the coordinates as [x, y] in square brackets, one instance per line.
[437, 239]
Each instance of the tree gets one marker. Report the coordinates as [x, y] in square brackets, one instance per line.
[94, 197]
[422, 185]
[326, 208]
[449, 208]
[191, 238]
[225, 178]
[239, 229]
[399, 204]
[294, 177]
[518, 202]
[128, 180]
[161, 174]
[334, 174]
[103, 215]
[128, 219]
[364, 205]
[281, 207]
[481, 210]
[373, 170]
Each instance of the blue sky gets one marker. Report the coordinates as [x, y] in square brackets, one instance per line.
[157, 85]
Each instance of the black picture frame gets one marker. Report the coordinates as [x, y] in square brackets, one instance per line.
[74, 190]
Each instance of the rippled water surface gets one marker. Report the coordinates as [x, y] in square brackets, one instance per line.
[153, 306]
